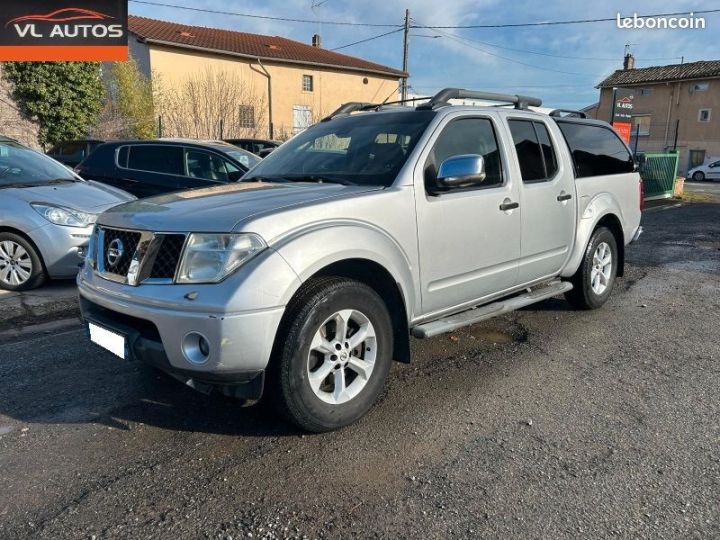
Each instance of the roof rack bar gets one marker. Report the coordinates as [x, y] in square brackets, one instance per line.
[347, 108]
[558, 113]
[445, 95]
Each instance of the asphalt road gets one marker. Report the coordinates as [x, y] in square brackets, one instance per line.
[546, 423]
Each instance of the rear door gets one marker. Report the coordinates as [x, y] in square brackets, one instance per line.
[546, 196]
[713, 171]
[469, 246]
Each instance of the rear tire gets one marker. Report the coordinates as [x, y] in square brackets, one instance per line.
[594, 280]
[332, 354]
[699, 176]
[21, 268]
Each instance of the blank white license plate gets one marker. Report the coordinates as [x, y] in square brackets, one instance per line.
[115, 343]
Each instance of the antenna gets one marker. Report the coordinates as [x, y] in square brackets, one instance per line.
[627, 47]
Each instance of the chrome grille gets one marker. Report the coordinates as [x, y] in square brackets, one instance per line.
[118, 248]
[168, 256]
[135, 257]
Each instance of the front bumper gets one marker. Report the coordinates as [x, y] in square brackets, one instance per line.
[144, 344]
[157, 324]
[62, 248]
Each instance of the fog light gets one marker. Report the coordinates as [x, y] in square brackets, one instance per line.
[196, 348]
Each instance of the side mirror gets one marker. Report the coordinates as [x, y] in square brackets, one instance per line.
[461, 171]
[236, 176]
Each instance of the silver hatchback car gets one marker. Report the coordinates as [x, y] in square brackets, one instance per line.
[46, 216]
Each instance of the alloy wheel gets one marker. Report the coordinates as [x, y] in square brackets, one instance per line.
[15, 263]
[601, 272]
[342, 356]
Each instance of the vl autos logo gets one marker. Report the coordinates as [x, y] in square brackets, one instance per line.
[64, 30]
[65, 23]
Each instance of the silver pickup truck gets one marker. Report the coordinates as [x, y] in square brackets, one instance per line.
[308, 277]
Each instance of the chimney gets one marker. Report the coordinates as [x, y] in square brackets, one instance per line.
[316, 41]
[629, 62]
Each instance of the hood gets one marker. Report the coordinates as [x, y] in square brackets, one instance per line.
[221, 208]
[84, 196]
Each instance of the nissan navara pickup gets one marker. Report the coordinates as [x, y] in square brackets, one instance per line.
[308, 277]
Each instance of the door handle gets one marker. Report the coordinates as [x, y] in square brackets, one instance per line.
[509, 205]
[564, 197]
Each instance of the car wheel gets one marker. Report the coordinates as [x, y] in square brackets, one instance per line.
[21, 268]
[594, 280]
[699, 176]
[332, 355]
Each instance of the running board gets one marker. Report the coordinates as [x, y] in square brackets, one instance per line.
[475, 315]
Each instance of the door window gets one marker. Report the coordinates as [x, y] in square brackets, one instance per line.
[208, 166]
[156, 158]
[596, 150]
[467, 136]
[535, 152]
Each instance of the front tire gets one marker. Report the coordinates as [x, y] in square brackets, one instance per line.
[699, 176]
[21, 268]
[332, 354]
[594, 280]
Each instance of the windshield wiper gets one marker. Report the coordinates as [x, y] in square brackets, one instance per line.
[321, 179]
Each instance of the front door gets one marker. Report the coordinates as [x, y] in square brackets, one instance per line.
[469, 247]
[547, 198]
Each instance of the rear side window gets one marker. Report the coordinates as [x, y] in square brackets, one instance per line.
[596, 150]
[156, 158]
[534, 150]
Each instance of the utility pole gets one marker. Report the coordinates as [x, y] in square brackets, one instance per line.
[406, 43]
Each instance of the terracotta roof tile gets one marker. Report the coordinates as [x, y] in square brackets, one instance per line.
[254, 45]
[675, 72]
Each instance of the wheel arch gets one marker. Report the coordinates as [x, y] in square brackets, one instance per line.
[381, 280]
[612, 222]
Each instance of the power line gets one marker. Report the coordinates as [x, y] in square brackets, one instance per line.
[388, 25]
[572, 21]
[465, 42]
[266, 17]
[560, 55]
[368, 39]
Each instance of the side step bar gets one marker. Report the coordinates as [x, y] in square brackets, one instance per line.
[475, 315]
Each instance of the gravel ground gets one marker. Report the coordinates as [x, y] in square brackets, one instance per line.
[545, 423]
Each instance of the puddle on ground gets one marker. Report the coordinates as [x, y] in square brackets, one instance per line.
[4, 430]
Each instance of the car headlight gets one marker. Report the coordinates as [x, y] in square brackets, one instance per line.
[60, 215]
[209, 258]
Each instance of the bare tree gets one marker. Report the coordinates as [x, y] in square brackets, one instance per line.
[213, 104]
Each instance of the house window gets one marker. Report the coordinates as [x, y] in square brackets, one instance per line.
[247, 116]
[704, 115]
[701, 87]
[641, 125]
[646, 91]
[307, 83]
[302, 118]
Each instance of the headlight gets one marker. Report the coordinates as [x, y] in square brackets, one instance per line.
[209, 258]
[64, 216]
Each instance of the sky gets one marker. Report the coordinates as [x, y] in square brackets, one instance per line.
[560, 64]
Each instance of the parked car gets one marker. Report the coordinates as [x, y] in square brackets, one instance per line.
[708, 171]
[309, 276]
[71, 153]
[146, 168]
[259, 147]
[46, 216]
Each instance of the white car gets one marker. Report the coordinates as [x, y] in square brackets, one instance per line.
[708, 171]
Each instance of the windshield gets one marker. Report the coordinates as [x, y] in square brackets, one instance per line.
[20, 166]
[364, 149]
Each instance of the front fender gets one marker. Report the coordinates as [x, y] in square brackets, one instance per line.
[310, 249]
[591, 211]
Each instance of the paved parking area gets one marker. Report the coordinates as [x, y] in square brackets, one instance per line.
[55, 300]
[547, 423]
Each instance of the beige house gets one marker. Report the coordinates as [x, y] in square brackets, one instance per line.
[674, 107]
[214, 83]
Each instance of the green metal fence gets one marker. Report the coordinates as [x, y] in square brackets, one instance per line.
[658, 173]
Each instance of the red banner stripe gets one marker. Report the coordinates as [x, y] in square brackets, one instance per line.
[64, 53]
